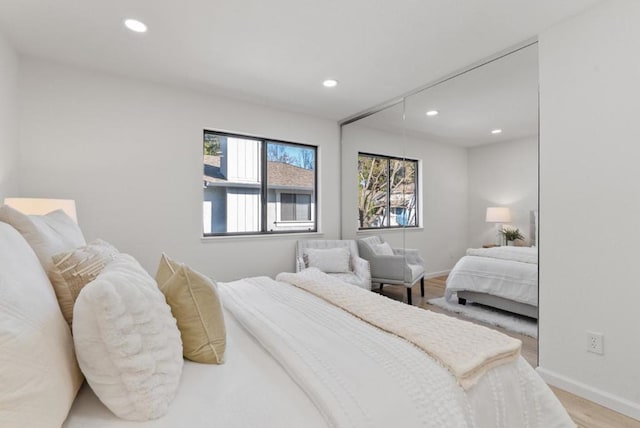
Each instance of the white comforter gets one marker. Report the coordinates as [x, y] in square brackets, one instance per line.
[497, 273]
[249, 390]
[515, 254]
[359, 376]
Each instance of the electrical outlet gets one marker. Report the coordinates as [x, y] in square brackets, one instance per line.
[595, 342]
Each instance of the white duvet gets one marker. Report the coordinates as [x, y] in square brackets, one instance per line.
[497, 273]
[515, 254]
[249, 390]
[360, 376]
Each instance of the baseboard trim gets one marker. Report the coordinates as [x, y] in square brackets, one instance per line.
[613, 402]
[437, 274]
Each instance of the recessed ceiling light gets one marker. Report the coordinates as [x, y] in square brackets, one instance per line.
[135, 25]
[432, 113]
[496, 131]
[330, 83]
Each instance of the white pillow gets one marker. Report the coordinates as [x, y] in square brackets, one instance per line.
[127, 341]
[383, 249]
[47, 234]
[332, 260]
[39, 375]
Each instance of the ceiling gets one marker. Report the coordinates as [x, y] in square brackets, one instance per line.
[502, 94]
[278, 52]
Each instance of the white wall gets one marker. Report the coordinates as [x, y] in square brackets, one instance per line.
[590, 203]
[443, 179]
[9, 180]
[130, 153]
[502, 174]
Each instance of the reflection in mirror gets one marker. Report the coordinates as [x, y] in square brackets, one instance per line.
[386, 191]
[374, 194]
[429, 167]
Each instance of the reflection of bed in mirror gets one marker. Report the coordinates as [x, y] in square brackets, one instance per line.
[501, 277]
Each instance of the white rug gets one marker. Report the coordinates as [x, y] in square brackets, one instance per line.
[506, 320]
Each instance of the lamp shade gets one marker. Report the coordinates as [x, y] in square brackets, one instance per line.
[498, 215]
[40, 206]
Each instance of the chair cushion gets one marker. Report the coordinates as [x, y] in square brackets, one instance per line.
[39, 375]
[195, 304]
[416, 271]
[329, 260]
[127, 341]
[383, 249]
[47, 234]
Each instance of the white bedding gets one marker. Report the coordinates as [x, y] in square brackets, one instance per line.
[358, 375]
[308, 363]
[515, 254]
[509, 279]
[249, 390]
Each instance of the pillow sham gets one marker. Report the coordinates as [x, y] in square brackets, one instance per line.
[127, 342]
[72, 270]
[46, 234]
[195, 304]
[39, 375]
[331, 260]
[383, 249]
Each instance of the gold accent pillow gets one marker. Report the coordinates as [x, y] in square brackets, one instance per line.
[195, 304]
[72, 270]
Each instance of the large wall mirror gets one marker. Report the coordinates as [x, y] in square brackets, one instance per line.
[450, 168]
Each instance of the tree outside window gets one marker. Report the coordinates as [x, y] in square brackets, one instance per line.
[387, 192]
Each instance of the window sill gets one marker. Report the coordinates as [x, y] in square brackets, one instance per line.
[289, 235]
[389, 231]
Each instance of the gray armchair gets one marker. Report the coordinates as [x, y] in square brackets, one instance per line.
[358, 271]
[403, 267]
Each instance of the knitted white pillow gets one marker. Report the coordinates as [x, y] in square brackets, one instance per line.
[332, 260]
[127, 342]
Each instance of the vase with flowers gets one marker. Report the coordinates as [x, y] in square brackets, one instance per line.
[511, 234]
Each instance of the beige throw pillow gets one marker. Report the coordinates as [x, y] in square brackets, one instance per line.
[196, 306]
[72, 270]
[47, 234]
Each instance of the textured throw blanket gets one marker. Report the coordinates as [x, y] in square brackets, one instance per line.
[516, 254]
[467, 350]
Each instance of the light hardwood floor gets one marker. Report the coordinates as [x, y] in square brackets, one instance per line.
[585, 414]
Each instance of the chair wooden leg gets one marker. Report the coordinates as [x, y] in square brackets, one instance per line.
[462, 301]
[409, 296]
[422, 286]
[381, 284]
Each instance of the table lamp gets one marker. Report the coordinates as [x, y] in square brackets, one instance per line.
[42, 206]
[498, 215]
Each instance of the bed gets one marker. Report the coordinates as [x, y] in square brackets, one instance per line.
[502, 277]
[302, 350]
[295, 359]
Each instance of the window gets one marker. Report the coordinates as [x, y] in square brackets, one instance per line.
[387, 192]
[255, 185]
[295, 207]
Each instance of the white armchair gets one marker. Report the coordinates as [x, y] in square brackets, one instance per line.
[395, 266]
[356, 271]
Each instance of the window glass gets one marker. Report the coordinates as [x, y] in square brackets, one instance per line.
[387, 191]
[291, 182]
[245, 177]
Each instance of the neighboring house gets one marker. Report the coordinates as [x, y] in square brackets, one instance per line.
[402, 209]
[232, 191]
